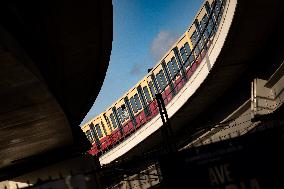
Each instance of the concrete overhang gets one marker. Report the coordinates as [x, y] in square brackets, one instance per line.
[53, 60]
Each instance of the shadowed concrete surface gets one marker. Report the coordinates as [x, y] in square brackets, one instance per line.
[53, 60]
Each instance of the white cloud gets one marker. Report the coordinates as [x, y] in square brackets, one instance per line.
[162, 43]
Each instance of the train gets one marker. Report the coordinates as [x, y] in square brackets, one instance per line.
[138, 106]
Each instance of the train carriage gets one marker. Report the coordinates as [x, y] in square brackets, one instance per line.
[114, 125]
[138, 105]
[97, 131]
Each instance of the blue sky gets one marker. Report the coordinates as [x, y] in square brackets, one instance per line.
[143, 30]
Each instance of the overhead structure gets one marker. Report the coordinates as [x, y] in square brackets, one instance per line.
[53, 60]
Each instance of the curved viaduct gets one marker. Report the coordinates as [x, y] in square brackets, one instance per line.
[242, 49]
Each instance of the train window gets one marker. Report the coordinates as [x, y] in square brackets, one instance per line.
[161, 80]
[113, 121]
[93, 132]
[103, 126]
[174, 64]
[188, 52]
[173, 67]
[184, 56]
[203, 24]
[217, 9]
[137, 101]
[108, 122]
[146, 93]
[98, 130]
[170, 67]
[89, 136]
[152, 88]
[133, 104]
[125, 111]
[194, 38]
[120, 114]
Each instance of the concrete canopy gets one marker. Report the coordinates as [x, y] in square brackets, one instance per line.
[53, 60]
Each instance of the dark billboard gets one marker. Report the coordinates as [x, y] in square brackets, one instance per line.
[253, 161]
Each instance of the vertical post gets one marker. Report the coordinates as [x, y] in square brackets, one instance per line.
[166, 129]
